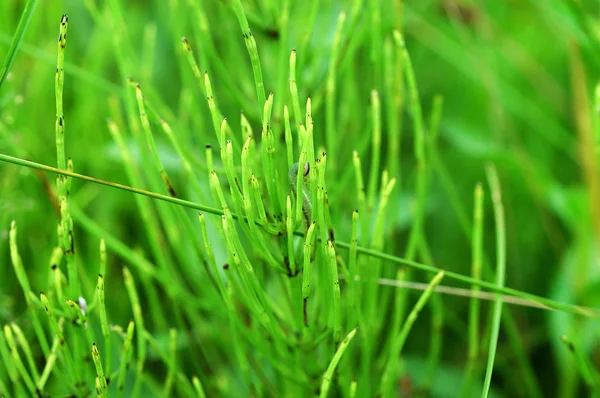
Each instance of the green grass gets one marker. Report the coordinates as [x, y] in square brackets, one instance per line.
[162, 241]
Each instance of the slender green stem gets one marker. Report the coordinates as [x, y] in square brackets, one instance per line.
[26, 15]
[102, 306]
[59, 84]
[289, 224]
[139, 321]
[16, 359]
[24, 344]
[419, 147]
[267, 149]
[390, 368]
[151, 143]
[65, 230]
[474, 303]
[126, 353]
[252, 51]
[337, 315]
[50, 362]
[394, 88]
[494, 183]
[306, 274]
[57, 331]
[289, 145]
[570, 308]
[295, 97]
[25, 286]
[328, 376]
[101, 379]
[360, 187]
[171, 361]
[354, 302]
[375, 149]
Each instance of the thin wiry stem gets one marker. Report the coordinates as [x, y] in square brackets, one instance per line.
[570, 308]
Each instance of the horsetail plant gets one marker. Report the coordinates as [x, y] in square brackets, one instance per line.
[253, 259]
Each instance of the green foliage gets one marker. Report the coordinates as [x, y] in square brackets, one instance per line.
[184, 252]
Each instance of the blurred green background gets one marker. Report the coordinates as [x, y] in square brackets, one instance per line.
[517, 79]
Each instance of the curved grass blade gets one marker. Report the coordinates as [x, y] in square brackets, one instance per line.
[20, 32]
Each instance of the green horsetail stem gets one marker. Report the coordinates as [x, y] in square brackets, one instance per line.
[126, 355]
[101, 378]
[295, 178]
[50, 361]
[139, 321]
[26, 288]
[494, 183]
[16, 359]
[388, 377]
[24, 345]
[252, 51]
[328, 376]
[474, 304]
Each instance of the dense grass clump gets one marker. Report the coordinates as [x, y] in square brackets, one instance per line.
[277, 198]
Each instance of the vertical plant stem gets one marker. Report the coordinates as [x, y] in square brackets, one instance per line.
[58, 88]
[494, 184]
[289, 144]
[102, 306]
[267, 148]
[101, 379]
[252, 51]
[139, 321]
[289, 223]
[474, 303]
[375, 149]
[394, 87]
[419, 148]
[66, 223]
[306, 274]
[360, 188]
[337, 316]
[354, 286]
[295, 98]
[387, 380]
[126, 354]
[171, 362]
[50, 362]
